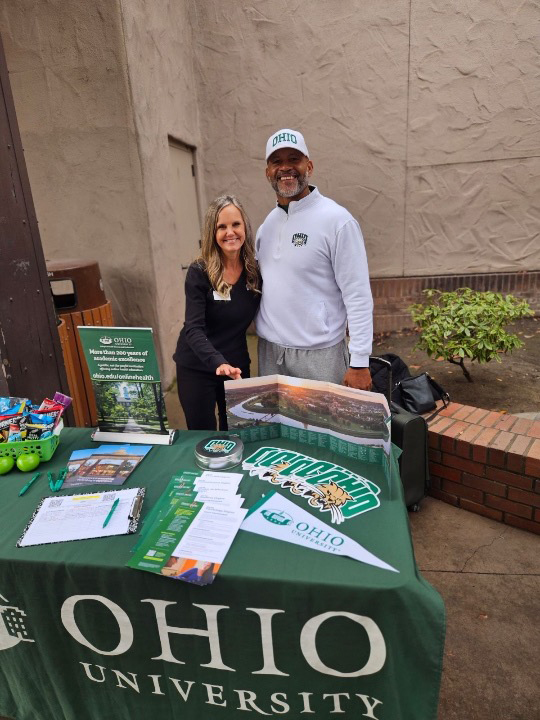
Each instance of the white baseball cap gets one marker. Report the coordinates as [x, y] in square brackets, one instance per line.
[286, 138]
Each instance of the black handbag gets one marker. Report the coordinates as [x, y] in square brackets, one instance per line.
[409, 431]
[419, 394]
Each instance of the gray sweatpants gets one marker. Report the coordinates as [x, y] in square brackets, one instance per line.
[328, 364]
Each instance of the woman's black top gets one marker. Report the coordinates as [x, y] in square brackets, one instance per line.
[214, 331]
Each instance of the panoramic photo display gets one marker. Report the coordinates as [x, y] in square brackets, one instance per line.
[347, 413]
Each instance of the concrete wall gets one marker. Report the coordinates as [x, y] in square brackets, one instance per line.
[338, 75]
[67, 67]
[421, 117]
[159, 50]
[473, 176]
[98, 88]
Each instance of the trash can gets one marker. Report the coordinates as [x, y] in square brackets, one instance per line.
[77, 290]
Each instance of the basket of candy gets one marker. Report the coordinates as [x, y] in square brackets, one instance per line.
[44, 448]
[30, 429]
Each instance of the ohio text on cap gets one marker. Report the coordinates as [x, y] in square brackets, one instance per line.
[286, 138]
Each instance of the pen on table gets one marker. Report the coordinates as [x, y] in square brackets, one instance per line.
[109, 516]
[61, 477]
[29, 484]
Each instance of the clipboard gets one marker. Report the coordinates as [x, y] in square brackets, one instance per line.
[64, 518]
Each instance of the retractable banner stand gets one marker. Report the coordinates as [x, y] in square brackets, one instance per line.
[125, 376]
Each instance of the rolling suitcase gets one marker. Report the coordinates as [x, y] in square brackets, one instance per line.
[409, 434]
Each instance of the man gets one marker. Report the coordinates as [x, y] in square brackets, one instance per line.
[315, 277]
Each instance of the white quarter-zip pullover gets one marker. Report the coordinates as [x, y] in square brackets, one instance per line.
[315, 278]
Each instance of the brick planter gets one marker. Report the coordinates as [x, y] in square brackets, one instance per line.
[392, 295]
[487, 462]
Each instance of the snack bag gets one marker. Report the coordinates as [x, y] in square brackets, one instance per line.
[8, 405]
[38, 431]
[5, 423]
[16, 409]
[51, 408]
[64, 400]
[40, 418]
[17, 429]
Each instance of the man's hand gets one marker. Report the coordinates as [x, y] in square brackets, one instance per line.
[230, 371]
[359, 378]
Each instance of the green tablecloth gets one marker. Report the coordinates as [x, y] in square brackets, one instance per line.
[283, 631]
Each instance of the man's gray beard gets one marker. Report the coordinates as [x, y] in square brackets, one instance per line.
[301, 184]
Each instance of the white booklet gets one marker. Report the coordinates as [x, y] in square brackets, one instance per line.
[211, 534]
[81, 517]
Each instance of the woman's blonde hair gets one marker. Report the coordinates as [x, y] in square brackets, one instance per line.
[211, 258]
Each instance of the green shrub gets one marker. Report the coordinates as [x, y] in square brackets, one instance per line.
[466, 324]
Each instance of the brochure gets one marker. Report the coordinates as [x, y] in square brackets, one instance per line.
[191, 527]
[106, 465]
[179, 487]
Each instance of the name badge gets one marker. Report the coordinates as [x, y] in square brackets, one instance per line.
[217, 296]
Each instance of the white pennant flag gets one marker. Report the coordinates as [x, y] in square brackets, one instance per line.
[277, 517]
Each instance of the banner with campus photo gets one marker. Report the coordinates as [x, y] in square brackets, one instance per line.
[349, 422]
[125, 377]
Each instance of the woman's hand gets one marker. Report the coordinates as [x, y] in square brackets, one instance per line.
[229, 371]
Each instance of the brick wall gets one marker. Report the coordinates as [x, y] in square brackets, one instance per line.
[487, 462]
[392, 296]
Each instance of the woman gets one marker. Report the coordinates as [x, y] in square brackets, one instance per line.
[222, 297]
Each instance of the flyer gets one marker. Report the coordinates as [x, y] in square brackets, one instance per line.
[105, 465]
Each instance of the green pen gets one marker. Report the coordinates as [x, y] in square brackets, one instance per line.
[61, 477]
[29, 484]
[109, 516]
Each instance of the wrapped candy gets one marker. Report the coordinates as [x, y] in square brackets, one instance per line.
[17, 429]
[13, 405]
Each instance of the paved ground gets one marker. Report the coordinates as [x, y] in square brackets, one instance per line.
[489, 577]
[529, 415]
